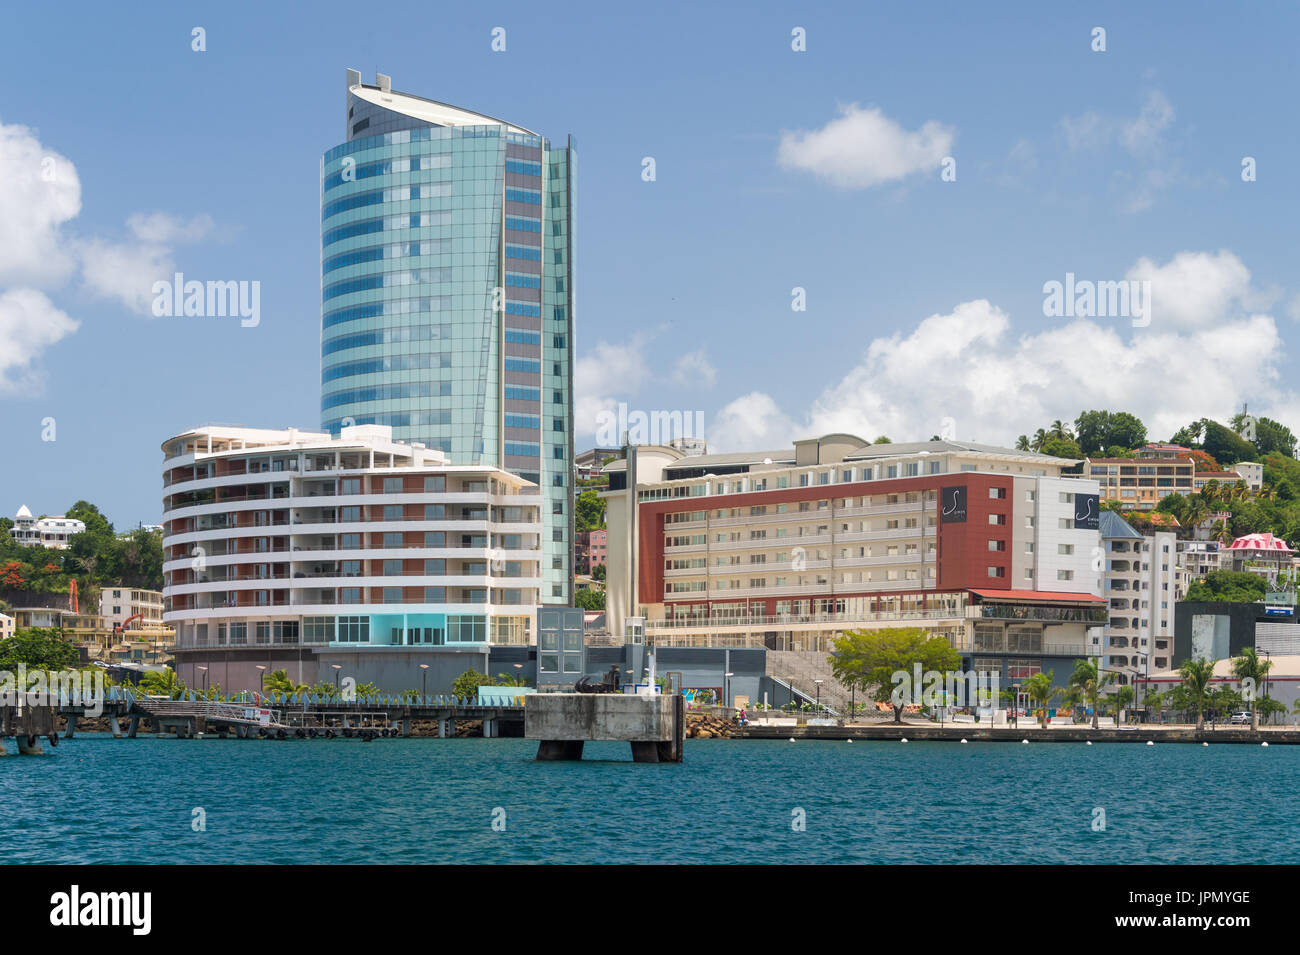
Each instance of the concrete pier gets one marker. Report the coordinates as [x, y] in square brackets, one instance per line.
[563, 722]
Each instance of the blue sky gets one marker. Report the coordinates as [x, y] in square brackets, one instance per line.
[775, 169]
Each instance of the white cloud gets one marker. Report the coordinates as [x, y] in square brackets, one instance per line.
[864, 147]
[752, 422]
[29, 323]
[604, 374]
[126, 269]
[161, 228]
[1141, 134]
[694, 370]
[39, 192]
[1194, 288]
[1203, 355]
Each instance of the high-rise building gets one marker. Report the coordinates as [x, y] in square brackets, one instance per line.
[447, 293]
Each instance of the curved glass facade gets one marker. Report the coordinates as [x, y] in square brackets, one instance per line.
[447, 298]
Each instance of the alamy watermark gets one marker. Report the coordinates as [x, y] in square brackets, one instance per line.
[193, 299]
[937, 688]
[84, 688]
[614, 429]
[1128, 298]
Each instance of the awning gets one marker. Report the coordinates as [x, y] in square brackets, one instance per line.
[1037, 596]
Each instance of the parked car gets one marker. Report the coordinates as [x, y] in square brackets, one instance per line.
[1239, 718]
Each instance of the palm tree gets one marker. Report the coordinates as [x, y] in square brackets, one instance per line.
[1022, 443]
[1120, 699]
[1060, 430]
[278, 682]
[1196, 679]
[1088, 678]
[1040, 436]
[1039, 689]
[1249, 666]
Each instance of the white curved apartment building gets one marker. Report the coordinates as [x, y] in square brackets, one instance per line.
[278, 539]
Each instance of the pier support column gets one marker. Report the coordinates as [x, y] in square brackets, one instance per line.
[560, 749]
[70, 726]
[133, 727]
[115, 725]
[406, 728]
[30, 746]
[489, 729]
[442, 729]
[645, 752]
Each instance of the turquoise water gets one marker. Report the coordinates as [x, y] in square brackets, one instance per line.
[100, 800]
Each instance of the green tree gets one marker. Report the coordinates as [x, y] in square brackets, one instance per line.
[1039, 688]
[37, 649]
[1228, 585]
[1089, 679]
[589, 514]
[589, 598]
[465, 686]
[1225, 445]
[1120, 699]
[1249, 667]
[1061, 447]
[1095, 430]
[871, 661]
[277, 681]
[162, 683]
[1270, 436]
[1196, 676]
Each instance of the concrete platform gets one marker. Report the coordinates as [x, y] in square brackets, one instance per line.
[563, 722]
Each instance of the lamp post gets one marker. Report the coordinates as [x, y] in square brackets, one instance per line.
[726, 689]
[1015, 704]
[819, 694]
[261, 678]
[424, 682]
[336, 667]
[205, 681]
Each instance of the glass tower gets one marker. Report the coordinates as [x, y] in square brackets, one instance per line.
[447, 293]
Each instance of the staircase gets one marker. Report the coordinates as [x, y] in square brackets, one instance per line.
[802, 668]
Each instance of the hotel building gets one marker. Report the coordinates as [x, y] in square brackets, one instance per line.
[1141, 482]
[787, 549]
[281, 548]
[447, 293]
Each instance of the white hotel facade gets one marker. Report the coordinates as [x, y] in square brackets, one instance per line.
[286, 545]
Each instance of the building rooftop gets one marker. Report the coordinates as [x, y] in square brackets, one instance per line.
[1113, 527]
[383, 95]
[1260, 542]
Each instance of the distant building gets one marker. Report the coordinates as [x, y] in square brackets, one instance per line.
[1144, 481]
[1157, 450]
[1252, 472]
[6, 626]
[588, 464]
[590, 550]
[1142, 583]
[1261, 554]
[1199, 557]
[1202, 478]
[52, 532]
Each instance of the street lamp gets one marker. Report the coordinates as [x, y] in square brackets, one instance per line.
[424, 681]
[819, 694]
[1015, 704]
[336, 667]
[205, 681]
[261, 678]
[726, 689]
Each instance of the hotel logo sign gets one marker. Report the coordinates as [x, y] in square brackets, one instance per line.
[1087, 512]
[952, 505]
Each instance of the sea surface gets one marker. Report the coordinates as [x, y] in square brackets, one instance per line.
[95, 799]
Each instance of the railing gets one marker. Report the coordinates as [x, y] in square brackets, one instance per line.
[780, 621]
[1097, 616]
